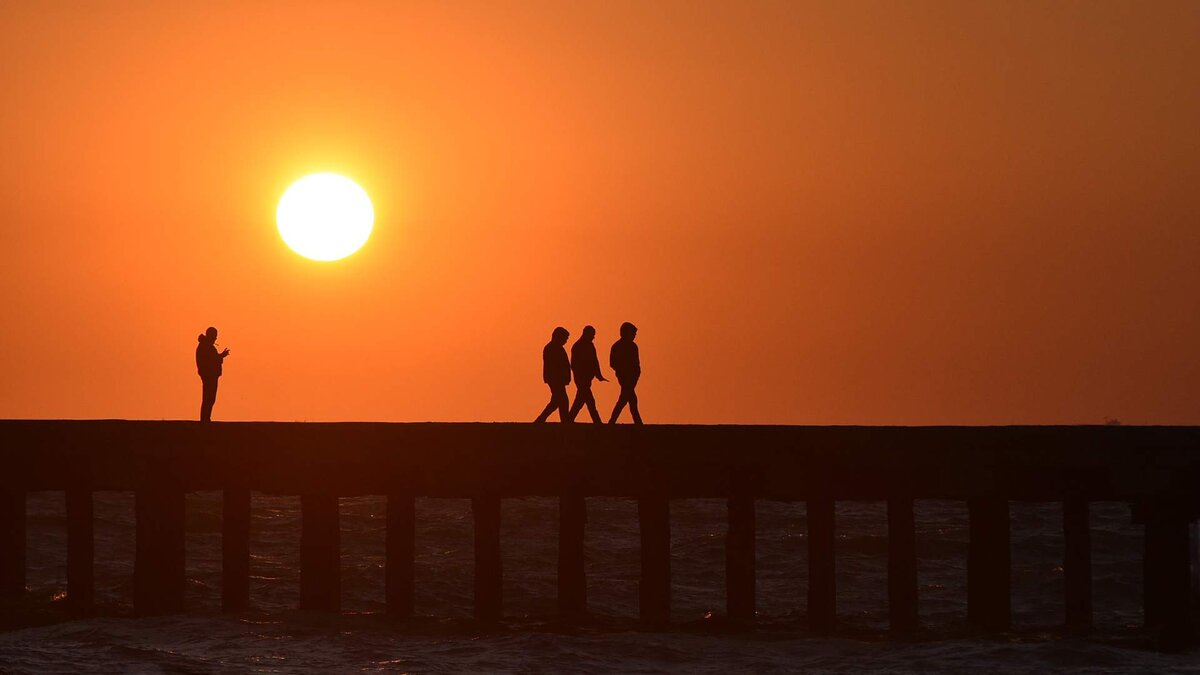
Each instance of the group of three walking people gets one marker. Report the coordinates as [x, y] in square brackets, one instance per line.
[557, 371]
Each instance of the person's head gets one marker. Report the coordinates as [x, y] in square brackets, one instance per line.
[588, 333]
[560, 336]
[211, 333]
[628, 331]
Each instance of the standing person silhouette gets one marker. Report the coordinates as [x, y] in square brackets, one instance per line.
[627, 364]
[208, 364]
[585, 365]
[556, 373]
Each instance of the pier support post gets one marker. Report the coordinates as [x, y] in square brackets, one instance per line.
[989, 568]
[654, 588]
[739, 560]
[81, 583]
[12, 542]
[902, 565]
[1168, 577]
[320, 557]
[822, 583]
[400, 549]
[1077, 565]
[489, 571]
[1152, 574]
[235, 550]
[572, 576]
[1195, 548]
[159, 568]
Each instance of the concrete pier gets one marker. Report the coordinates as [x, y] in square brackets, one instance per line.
[1156, 470]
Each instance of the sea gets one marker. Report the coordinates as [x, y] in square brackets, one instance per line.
[275, 637]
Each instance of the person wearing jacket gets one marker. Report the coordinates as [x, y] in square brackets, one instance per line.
[627, 364]
[585, 366]
[556, 373]
[208, 364]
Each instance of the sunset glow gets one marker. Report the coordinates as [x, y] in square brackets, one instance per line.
[325, 217]
[820, 213]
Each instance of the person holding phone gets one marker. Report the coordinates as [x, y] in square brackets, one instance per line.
[208, 364]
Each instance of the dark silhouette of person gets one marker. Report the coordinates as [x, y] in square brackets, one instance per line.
[627, 364]
[208, 364]
[585, 365]
[556, 373]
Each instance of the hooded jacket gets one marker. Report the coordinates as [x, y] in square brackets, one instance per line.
[208, 361]
[625, 361]
[556, 368]
[584, 362]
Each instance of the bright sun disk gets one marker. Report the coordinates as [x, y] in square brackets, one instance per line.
[325, 216]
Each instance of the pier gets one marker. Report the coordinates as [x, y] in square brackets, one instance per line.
[1156, 470]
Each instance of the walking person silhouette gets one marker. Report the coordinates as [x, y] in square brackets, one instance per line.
[556, 373]
[627, 364]
[585, 365]
[208, 364]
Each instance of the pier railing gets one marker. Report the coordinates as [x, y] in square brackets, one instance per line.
[1154, 469]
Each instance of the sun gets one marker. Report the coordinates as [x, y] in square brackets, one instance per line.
[325, 216]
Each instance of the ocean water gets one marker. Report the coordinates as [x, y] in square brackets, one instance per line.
[276, 638]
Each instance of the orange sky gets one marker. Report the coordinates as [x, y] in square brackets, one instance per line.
[816, 213]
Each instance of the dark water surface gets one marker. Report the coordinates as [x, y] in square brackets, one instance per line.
[276, 638]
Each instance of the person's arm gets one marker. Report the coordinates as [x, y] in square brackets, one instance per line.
[596, 364]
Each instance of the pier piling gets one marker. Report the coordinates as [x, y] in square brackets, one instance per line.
[1167, 574]
[399, 551]
[989, 564]
[572, 575]
[320, 555]
[12, 541]
[654, 588]
[489, 572]
[740, 560]
[81, 584]
[822, 570]
[902, 565]
[159, 568]
[1077, 565]
[235, 550]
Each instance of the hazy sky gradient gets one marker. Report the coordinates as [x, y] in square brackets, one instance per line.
[816, 213]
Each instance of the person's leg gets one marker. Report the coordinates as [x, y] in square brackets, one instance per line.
[208, 398]
[633, 409]
[564, 404]
[621, 401]
[578, 403]
[550, 407]
[591, 406]
[212, 397]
